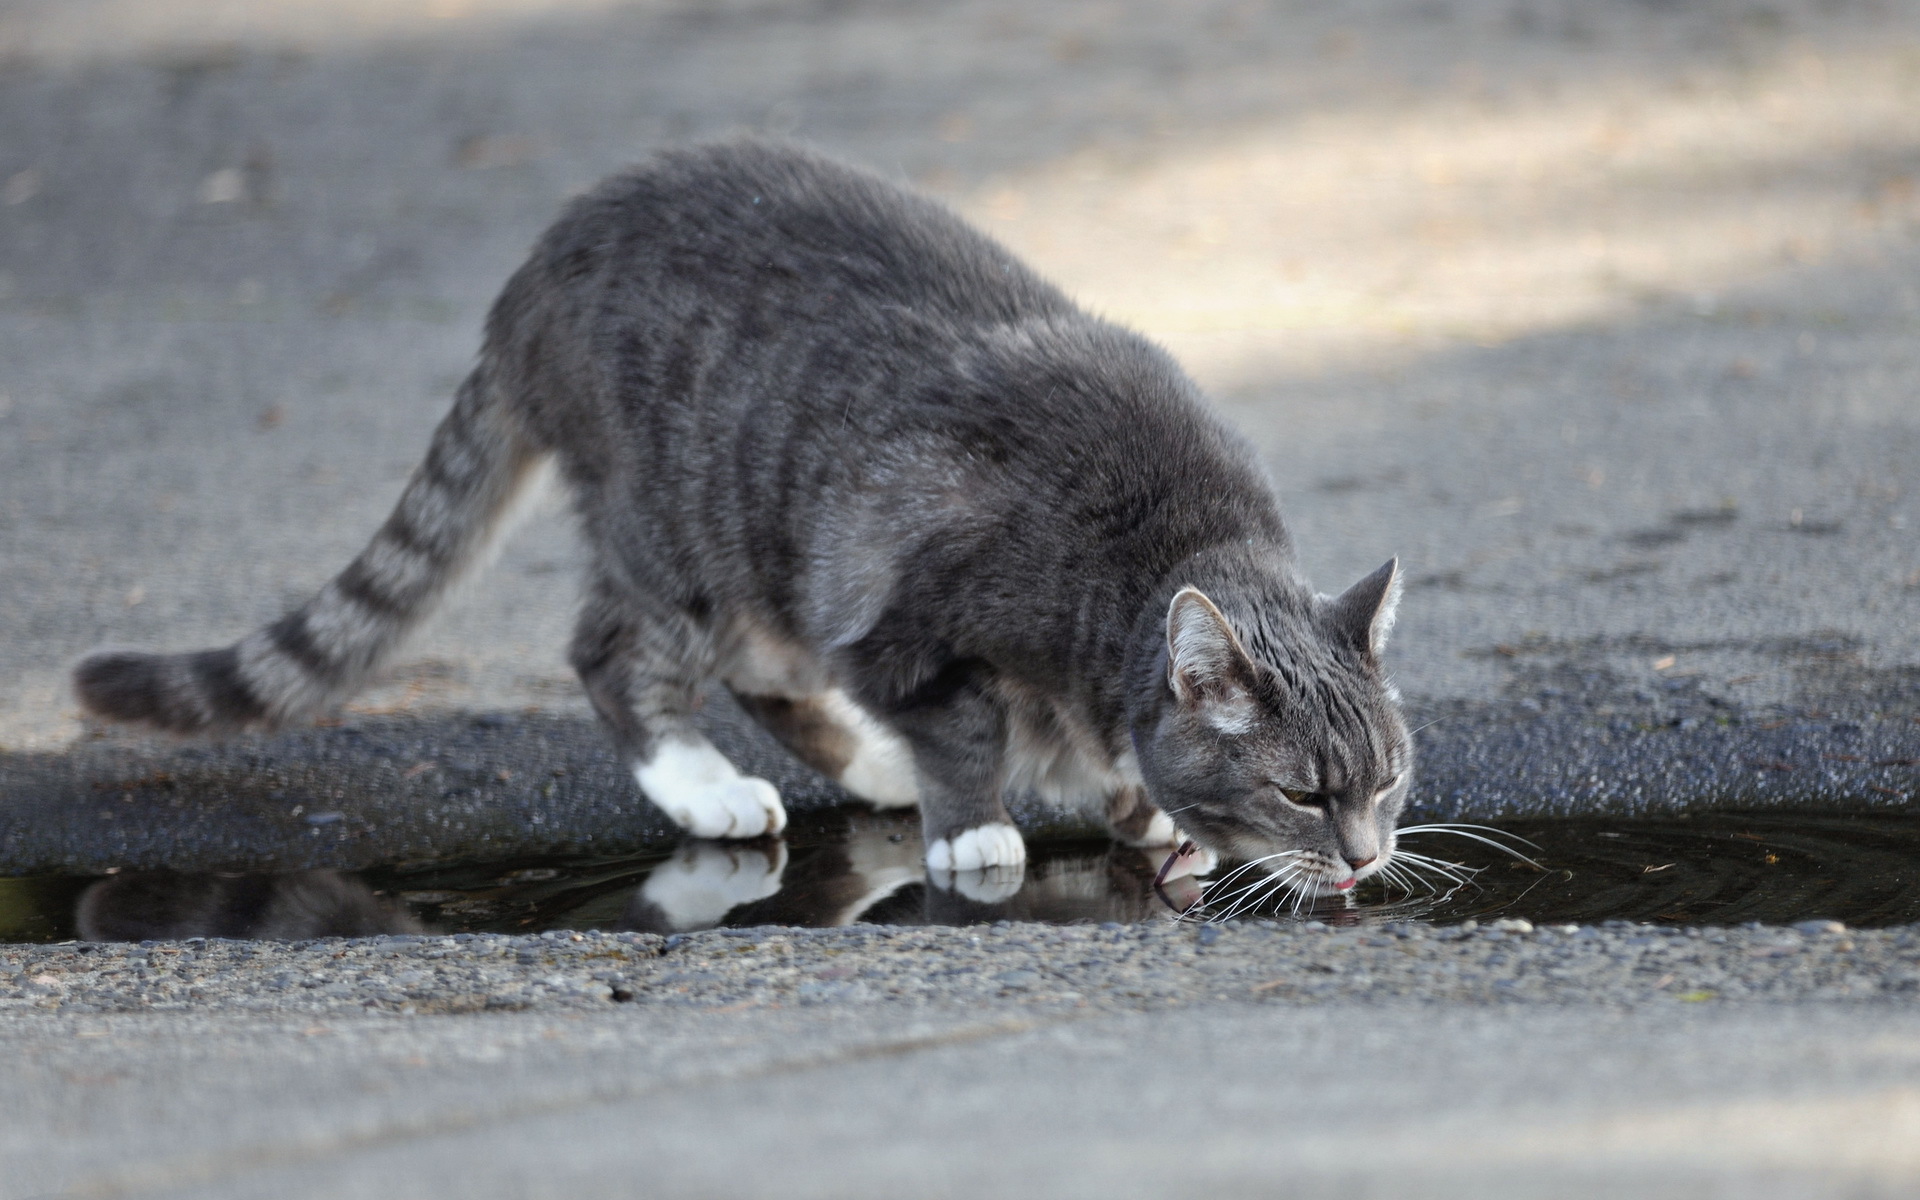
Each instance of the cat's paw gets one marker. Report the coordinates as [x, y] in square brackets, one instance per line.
[986, 864]
[704, 881]
[996, 844]
[694, 784]
[744, 807]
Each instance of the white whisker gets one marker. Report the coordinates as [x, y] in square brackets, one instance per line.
[1422, 862]
[1429, 870]
[1256, 893]
[1463, 831]
[1419, 863]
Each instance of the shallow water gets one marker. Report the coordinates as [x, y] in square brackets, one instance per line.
[834, 868]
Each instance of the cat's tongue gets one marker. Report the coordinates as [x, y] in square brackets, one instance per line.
[1344, 884]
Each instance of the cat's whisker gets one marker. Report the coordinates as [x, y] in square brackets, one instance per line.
[1257, 892]
[1233, 901]
[1458, 875]
[1437, 826]
[1400, 877]
[1451, 870]
[1295, 884]
[1427, 878]
[1301, 896]
[1245, 867]
[1250, 896]
[1466, 831]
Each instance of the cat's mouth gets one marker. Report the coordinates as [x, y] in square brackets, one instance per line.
[1294, 879]
[1320, 877]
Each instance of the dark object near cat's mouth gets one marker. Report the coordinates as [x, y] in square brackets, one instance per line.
[1711, 868]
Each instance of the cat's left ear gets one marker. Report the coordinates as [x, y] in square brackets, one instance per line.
[1364, 612]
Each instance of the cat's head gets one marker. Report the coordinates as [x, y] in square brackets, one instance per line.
[1278, 734]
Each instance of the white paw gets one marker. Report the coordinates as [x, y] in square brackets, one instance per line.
[994, 845]
[737, 808]
[703, 881]
[695, 785]
[986, 864]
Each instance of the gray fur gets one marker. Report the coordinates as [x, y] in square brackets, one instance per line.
[795, 403]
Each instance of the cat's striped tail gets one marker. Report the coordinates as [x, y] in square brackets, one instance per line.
[451, 514]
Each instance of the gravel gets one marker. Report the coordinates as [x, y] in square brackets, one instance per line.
[1139, 967]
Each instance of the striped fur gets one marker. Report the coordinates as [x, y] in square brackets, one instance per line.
[448, 518]
[837, 451]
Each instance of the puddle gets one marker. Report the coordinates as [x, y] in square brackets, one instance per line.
[840, 867]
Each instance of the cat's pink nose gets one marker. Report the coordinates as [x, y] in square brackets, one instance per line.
[1357, 863]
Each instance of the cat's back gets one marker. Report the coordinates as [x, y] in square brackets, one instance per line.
[750, 224]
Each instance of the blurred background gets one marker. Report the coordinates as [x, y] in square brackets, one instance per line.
[1597, 312]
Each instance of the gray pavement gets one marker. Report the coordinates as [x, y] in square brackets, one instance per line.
[1236, 1101]
[1600, 315]
[1015, 1059]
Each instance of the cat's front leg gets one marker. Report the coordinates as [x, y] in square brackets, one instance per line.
[956, 729]
[1137, 821]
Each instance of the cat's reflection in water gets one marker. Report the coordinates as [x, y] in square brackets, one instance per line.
[876, 873]
[863, 867]
[168, 906]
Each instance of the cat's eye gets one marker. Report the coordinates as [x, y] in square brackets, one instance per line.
[1391, 784]
[1304, 799]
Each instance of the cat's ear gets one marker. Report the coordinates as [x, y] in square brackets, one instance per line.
[1363, 614]
[1206, 666]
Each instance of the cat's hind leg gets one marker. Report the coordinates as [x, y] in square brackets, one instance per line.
[644, 672]
[836, 737]
[789, 692]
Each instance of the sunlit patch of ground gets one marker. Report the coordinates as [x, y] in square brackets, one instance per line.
[79, 28]
[1405, 226]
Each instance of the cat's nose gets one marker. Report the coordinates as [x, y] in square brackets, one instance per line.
[1357, 863]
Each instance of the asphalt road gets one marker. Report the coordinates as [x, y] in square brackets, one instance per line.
[1599, 315]
[1021, 1060]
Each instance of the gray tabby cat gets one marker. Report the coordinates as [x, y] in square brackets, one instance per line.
[939, 530]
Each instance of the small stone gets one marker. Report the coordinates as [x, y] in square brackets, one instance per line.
[1514, 925]
[1209, 934]
[1019, 978]
[1813, 928]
